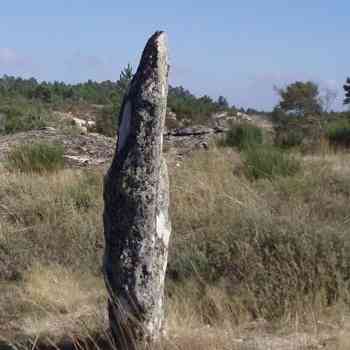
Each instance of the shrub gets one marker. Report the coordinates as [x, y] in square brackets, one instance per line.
[289, 137]
[243, 136]
[305, 132]
[107, 121]
[269, 248]
[268, 162]
[338, 132]
[36, 157]
[275, 247]
[18, 116]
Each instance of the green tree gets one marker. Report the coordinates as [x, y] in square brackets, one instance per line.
[300, 99]
[347, 91]
[222, 102]
[125, 78]
[296, 117]
[43, 92]
[107, 119]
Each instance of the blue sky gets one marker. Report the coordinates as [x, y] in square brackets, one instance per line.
[239, 49]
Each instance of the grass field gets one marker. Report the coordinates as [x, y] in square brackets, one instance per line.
[253, 262]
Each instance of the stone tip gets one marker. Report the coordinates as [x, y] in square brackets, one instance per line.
[158, 33]
[158, 37]
[154, 59]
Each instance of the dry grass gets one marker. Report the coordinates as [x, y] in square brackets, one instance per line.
[272, 249]
[36, 157]
[52, 219]
[53, 302]
[252, 263]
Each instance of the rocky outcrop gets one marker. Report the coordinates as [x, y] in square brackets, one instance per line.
[223, 119]
[93, 149]
[136, 195]
[226, 120]
[84, 125]
[79, 150]
[194, 131]
[182, 141]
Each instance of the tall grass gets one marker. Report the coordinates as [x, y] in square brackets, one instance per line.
[244, 136]
[20, 114]
[338, 133]
[50, 218]
[289, 137]
[36, 157]
[268, 162]
[242, 249]
[273, 246]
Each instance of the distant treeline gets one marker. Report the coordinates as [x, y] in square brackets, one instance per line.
[180, 101]
[49, 92]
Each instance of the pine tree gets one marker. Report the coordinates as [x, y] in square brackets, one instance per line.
[222, 102]
[300, 99]
[347, 91]
[125, 78]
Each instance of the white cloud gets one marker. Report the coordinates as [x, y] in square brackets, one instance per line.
[8, 56]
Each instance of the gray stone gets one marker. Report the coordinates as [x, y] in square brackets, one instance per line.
[136, 195]
[191, 131]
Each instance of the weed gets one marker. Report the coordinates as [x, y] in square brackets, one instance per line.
[36, 157]
[268, 162]
[244, 136]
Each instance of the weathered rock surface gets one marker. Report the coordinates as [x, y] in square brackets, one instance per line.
[191, 131]
[183, 141]
[136, 195]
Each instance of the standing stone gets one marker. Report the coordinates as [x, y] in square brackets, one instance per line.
[136, 195]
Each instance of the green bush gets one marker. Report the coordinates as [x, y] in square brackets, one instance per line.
[289, 137]
[243, 136]
[304, 132]
[22, 117]
[107, 120]
[275, 247]
[268, 162]
[338, 132]
[36, 157]
[269, 265]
